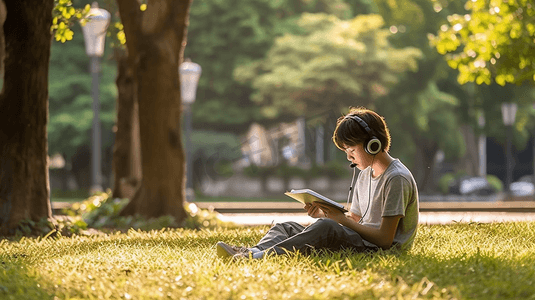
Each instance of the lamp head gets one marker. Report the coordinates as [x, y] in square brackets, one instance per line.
[189, 73]
[94, 30]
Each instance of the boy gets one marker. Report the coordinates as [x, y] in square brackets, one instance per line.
[384, 210]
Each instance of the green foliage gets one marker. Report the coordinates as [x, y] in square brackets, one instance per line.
[332, 65]
[444, 183]
[225, 34]
[488, 100]
[101, 211]
[448, 179]
[429, 114]
[29, 227]
[491, 43]
[64, 14]
[457, 261]
[422, 110]
[495, 182]
[70, 101]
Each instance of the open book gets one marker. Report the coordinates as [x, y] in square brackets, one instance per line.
[308, 196]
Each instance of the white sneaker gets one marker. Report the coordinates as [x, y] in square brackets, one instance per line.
[226, 251]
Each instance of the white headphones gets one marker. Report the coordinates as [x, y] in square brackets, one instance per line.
[372, 145]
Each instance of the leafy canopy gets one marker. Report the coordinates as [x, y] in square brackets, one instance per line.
[333, 64]
[495, 41]
[224, 34]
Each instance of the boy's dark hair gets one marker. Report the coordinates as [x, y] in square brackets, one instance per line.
[349, 133]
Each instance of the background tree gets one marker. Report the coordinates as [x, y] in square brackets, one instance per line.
[494, 41]
[334, 64]
[255, 25]
[424, 108]
[491, 43]
[24, 185]
[155, 39]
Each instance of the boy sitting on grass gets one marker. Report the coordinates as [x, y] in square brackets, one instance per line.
[384, 210]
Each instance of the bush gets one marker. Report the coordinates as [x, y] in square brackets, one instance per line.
[445, 182]
[101, 211]
[495, 182]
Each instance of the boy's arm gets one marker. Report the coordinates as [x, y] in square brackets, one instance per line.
[354, 217]
[382, 236]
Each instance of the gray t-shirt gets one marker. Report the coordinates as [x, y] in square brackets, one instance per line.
[393, 193]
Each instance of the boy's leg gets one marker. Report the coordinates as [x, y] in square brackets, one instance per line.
[279, 233]
[323, 234]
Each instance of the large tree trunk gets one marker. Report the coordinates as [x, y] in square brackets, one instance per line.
[24, 186]
[155, 40]
[126, 152]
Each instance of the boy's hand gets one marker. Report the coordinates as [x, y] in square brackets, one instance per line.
[314, 210]
[331, 212]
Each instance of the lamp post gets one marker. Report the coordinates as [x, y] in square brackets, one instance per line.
[508, 114]
[189, 73]
[482, 145]
[94, 35]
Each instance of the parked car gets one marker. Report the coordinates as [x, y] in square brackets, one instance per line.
[523, 187]
[466, 185]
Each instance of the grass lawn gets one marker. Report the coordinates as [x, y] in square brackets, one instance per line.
[458, 261]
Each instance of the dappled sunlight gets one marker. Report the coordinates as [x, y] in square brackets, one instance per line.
[447, 261]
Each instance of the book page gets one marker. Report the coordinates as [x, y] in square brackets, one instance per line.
[309, 196]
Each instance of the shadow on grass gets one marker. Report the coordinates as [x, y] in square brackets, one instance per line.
[476, 276]
[465, 272]
[17, 282]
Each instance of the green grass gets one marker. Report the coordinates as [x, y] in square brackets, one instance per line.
[458, 261]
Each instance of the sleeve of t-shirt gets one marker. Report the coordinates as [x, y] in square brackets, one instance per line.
[396, 197]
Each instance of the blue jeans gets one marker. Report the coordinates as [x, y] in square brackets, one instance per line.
[322, 234]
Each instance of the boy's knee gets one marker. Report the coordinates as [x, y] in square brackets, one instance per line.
[325, 224]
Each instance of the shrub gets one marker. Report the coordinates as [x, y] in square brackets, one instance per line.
[445, 182]
[101, 211]
[495, 182]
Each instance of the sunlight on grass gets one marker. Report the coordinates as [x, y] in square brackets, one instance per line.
[459, 261]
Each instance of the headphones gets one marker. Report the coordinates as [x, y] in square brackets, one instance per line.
[372, 145]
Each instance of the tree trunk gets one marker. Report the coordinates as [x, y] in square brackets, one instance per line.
[424, 163]
[3, 15]
[24, 185]
[470, 161]
[126, 152]
[155, 40]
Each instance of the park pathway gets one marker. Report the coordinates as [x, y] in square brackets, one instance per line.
[428, 218]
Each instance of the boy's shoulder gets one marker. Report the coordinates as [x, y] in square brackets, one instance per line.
[397, 168]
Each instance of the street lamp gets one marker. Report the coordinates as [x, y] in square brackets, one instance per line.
[508, 114]
[482, 145]
[94, 31]
[189, 73]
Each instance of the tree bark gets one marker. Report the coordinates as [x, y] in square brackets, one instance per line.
[126, 152]
[424, 163]
[155, 40]
[470, 161]
[24, 183]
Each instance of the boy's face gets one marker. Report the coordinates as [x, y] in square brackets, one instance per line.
[357, 155]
